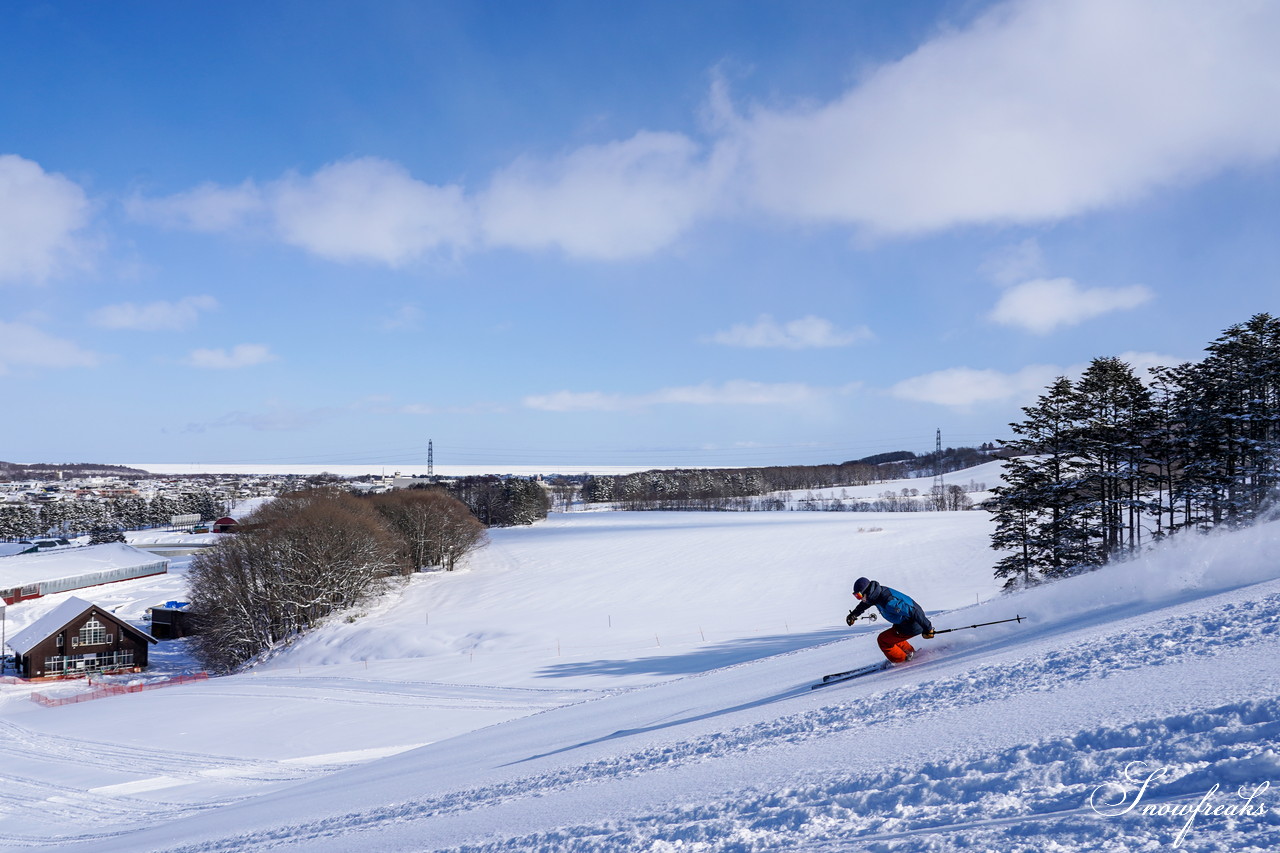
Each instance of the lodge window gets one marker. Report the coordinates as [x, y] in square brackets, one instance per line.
[87, 663]
[93, 633]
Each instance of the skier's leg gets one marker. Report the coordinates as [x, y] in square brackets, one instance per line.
[894, 645]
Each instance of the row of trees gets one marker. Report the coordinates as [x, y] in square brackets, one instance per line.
[745, 488]
[501, 501]
[308, 554]
[72, 516]
[950, 498]
[1109, 463]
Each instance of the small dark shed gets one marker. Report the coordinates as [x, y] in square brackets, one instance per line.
[226, 524]
[172, 621]
[79, 638]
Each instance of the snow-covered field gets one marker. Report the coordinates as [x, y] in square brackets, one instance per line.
[640, 682]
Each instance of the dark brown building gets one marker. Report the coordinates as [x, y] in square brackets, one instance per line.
[79, 638]
[173, 621]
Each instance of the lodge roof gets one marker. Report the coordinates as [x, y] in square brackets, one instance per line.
[58, 618]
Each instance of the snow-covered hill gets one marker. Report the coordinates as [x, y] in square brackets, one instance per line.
[620, 681]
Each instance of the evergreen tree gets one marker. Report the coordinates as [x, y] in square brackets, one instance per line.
[1243, 365]
[1050, 435]
[1114, 422]
[161, 509]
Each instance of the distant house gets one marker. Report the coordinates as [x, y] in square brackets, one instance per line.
[79, 638]
[226, 524]
[27, 576]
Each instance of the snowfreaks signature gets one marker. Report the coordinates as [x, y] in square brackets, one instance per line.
[1104, 800]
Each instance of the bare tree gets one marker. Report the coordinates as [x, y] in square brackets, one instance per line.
[434, 528]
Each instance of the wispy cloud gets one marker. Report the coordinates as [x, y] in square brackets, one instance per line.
[618, 200]
[965, 386]
[368, 209]
[1017, 263]
[41, 214]
[1035, 112]
[241, 355]
[276, 417]
[24, 345]
[806, 333]
[208, 207]
[733, 393]
[1043, 305]
[153, 316]
[404, 318]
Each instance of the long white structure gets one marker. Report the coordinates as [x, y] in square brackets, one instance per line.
[27, 576]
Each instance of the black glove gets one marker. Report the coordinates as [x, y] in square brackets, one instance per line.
[850, 619]
[928, 635]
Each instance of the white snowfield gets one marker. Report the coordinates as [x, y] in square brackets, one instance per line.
[641, 682]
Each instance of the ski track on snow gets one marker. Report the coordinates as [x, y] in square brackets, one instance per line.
[113, 806]
[961, 804]
[943, 797]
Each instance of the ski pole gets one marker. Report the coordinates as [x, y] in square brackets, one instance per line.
[980, 625]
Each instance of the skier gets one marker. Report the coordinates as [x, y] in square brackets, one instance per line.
[905, 616]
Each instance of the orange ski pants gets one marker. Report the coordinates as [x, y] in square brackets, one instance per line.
[894, 645]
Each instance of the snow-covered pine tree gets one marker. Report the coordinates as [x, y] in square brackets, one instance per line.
[1115, 419]
[1244, 365]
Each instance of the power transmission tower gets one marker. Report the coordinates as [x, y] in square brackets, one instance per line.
[431, 463]
[938, 488]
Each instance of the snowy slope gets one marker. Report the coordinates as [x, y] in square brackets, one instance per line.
[994, 738]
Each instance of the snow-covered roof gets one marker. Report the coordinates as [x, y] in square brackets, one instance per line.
[26, 639]
[9, 549]
[23, 569]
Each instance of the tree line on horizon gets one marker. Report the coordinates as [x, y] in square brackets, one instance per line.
[1107, 463]
[131, 512]
[747, 489]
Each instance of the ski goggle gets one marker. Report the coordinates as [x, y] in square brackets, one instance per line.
[858, 596]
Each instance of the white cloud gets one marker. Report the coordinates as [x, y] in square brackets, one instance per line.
[153, 316]
[1142, 362]
[40, 213]
[241, 355]
[208, 207]
[806, 333]
[25, 345]
[738, 392]
[1037, 111]
[610, 201]
[1042, 305]
[961, 387]
[965, 386]
[1017, 263]
[368, 209]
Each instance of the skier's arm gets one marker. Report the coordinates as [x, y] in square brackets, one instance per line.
[856, 612]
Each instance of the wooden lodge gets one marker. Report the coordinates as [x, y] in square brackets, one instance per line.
[78, 638]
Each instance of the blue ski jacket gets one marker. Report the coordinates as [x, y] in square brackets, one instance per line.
[897, 608]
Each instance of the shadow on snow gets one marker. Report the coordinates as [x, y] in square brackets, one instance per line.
[702, 659]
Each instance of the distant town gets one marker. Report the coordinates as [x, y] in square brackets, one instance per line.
[86, 499]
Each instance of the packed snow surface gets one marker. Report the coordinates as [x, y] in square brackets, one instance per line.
[641, 682]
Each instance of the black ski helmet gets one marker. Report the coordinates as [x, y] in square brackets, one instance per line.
[860, 586]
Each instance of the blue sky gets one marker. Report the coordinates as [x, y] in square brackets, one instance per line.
[707, 233]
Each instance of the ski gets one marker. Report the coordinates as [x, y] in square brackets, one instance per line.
[838, 677]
